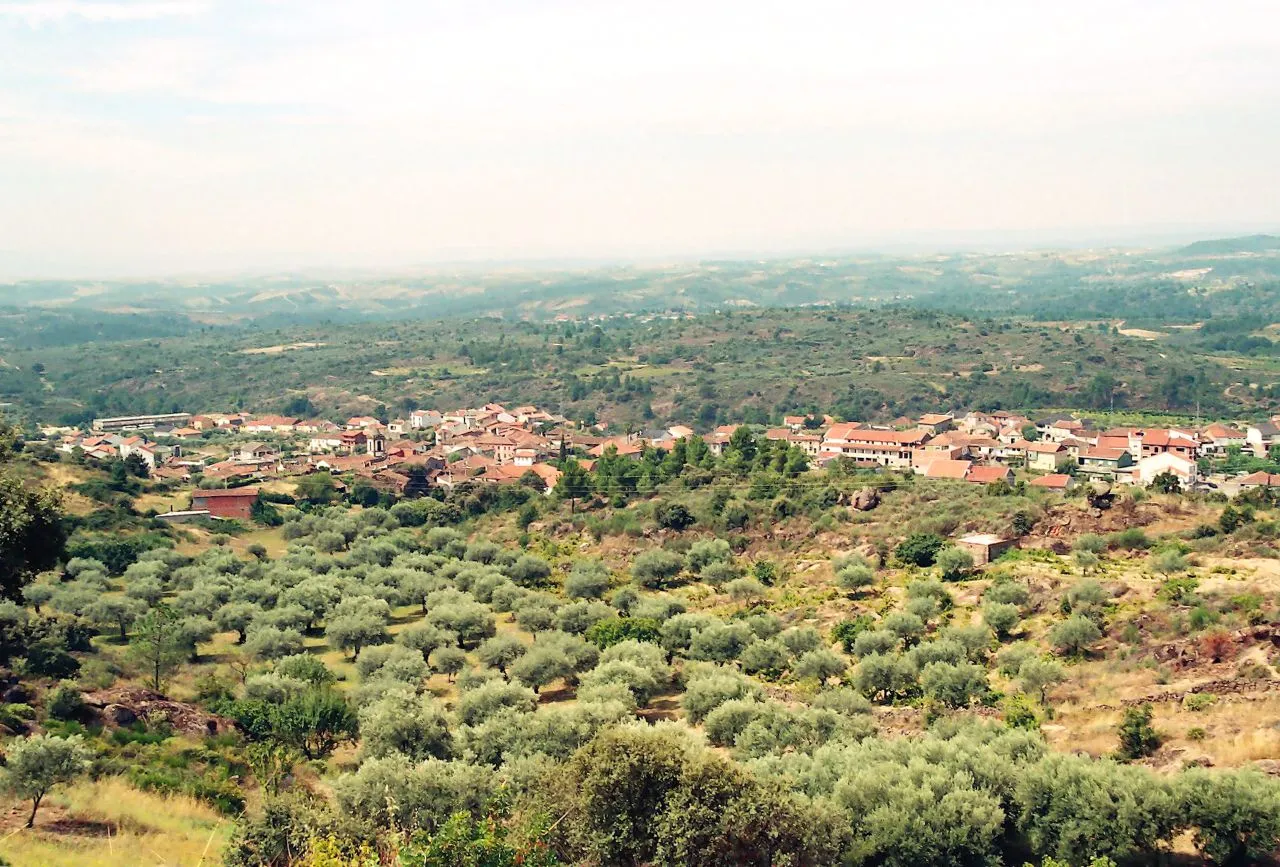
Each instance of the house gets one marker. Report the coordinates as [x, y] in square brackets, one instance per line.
[1258, 480]
[1104, 461]
[1217, 438]
[1046, 456]
[1060, 429]
[185, 433]
[1147, 443]
[889, 448]
[271, 424]
[1053, 482]
[625, 447]
[680, 432]
[226, 503]
[421, 419]
[254, 452]
[398, 426]
[1146, 470]
[324, 442]
[935, 423]
[141, 422]
[360, 422]
[984, 547]
[315, 425]
[989, 475]
[1261, 437]
[130, 446]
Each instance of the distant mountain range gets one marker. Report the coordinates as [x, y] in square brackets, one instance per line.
[1227, 246]
[1187, 284]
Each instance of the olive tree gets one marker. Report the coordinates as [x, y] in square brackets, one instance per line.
[37, 763]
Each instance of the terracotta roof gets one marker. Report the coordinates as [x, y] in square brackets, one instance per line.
[1104, 454]
[1053, 481]
[946, 469]
[1221, 431]
[987, 475]
[1264, 479]
[1040, 448]
[935, 418]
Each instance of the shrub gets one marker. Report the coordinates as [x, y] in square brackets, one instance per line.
[1138, 738]
[1002, 617]
[919, 549]
[1236, 815]
[954, 685]
[708, 691]
[1075, 635]
[656, 568]
[67, 703]
[954, 563]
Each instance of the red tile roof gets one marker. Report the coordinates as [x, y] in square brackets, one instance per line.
[987, 475]
[946, 469]
[1053, 481]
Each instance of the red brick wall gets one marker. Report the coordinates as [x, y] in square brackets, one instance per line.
[226, 507]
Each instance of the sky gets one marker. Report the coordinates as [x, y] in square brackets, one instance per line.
[151, 137]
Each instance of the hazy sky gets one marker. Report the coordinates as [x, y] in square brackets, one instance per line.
[158, 135]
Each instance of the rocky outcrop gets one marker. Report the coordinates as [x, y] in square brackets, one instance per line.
[123, 706]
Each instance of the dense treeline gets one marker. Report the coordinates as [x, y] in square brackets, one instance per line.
[743, 366]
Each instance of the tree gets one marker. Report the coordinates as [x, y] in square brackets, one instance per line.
[1075, 635]
[1236, 816]
[315, 722]
[588, 579]
[1167, 483]
[35, 764]
[32, 534]
[955, 685]
[316, 488]
[236, 617]
[405, 723]
[500, 651]
[919, 549]
[540, 666]
[1036, 675]
[117, 611]
[656, 568]
[954, 563]
[820, 664]
[673, 516]
[1002, 617]
[159, 644]
[855, 576]
[1138, 738]
[574, 483]
[447, 660]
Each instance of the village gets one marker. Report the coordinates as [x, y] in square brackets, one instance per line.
[223, 453]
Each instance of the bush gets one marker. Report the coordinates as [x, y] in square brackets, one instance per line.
[919, 549]
[1236, 816]
[1075, 635]
[1002, 617]
[1138, 738]
[656, 568]
[67, 703]
[954, 563]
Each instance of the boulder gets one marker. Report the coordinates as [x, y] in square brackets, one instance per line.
[865, 500]
[118, 715]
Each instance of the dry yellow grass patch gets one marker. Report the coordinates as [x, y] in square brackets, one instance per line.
[108, 823]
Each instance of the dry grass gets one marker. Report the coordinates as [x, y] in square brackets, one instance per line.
[108, 823]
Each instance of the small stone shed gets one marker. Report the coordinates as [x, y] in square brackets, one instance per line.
[984, 547]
